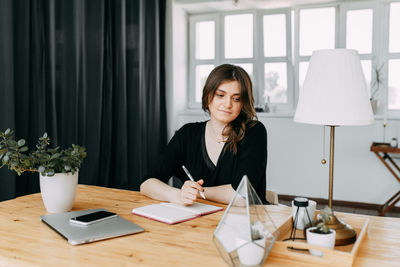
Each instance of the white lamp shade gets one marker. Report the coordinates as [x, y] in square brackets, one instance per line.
[334, 91]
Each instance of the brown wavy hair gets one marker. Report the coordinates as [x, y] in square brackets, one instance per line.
[236, 129]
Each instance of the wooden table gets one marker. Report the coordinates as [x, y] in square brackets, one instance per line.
[383, 151]
[25, 241]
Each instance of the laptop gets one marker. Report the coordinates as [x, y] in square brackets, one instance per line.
[80, 234]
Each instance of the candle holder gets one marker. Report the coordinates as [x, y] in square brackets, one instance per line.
[298, 203]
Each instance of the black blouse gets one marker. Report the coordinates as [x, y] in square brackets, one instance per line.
[188, 148]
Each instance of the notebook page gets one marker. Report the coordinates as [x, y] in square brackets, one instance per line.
[196, 208]
[164, 213]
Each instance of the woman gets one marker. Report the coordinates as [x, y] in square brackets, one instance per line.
[218, 152]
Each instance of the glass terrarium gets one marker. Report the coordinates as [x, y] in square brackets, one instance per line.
[246, 233]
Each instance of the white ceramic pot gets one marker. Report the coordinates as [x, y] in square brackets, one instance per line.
[58, 191]
[251, 253]
[323, 240]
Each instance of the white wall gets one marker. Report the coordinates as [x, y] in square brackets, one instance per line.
[295, 150]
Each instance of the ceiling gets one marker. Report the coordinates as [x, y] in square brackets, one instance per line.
[207, 6]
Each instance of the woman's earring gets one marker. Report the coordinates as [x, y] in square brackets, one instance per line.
[323, 160]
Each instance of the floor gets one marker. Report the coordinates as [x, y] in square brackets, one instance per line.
[351, 210]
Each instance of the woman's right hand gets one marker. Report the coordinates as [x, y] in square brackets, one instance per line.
[190, 191]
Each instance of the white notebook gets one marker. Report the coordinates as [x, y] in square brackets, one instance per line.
[174, 213]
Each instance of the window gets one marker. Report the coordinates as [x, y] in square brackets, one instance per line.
[275, 46]
[202, 72]
[276, 60]
[231, 38]
[393, 56]
[205, 40]
[394, 28]
[394, 84]
[359, 30]
[274, 33]
[313, 36]
[359, 36]
[317, 29]
[239, 36]
[203, 50]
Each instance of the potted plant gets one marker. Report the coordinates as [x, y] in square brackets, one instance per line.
[58, 169]
[251, 252]
[321, 235]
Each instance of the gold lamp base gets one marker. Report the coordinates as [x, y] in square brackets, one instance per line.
[345, 234]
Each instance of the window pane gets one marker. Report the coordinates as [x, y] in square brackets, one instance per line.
[317, 29]
[202, 72]
[275, 83]
[248, 67]
[359, 30]
[239, 36]
[205, 40]
[303, 67]
[275, 35]
[394, 84]
[394, 30]
[366, 67]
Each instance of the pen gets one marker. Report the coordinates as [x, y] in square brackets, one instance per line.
[191, 179]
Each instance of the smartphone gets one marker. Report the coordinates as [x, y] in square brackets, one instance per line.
[94, 217]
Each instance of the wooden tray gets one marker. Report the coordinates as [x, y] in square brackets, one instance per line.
[339, 256]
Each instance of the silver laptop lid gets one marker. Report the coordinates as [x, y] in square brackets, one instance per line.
[81, 234]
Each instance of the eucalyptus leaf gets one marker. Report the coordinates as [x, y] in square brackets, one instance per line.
[12, 143]
[21, 142]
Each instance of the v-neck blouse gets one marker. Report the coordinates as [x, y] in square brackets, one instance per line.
[188, 147]
[210, 164]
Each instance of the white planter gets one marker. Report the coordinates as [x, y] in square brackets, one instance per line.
[58, 191]
[252, 253]
[323, 240]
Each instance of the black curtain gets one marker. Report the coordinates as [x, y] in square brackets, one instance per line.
[88, 72]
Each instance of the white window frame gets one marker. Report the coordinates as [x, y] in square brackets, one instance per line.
[386, 56]
[193, 62]
[257, 60]
[289, 105]
[297, 58]
[375, 55]
[379, 55]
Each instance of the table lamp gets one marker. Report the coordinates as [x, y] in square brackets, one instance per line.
[335, 94]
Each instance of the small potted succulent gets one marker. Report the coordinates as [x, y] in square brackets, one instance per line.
[321, 235]
[251, 253]
[58, 169]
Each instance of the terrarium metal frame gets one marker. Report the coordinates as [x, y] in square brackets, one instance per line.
[246, 233]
